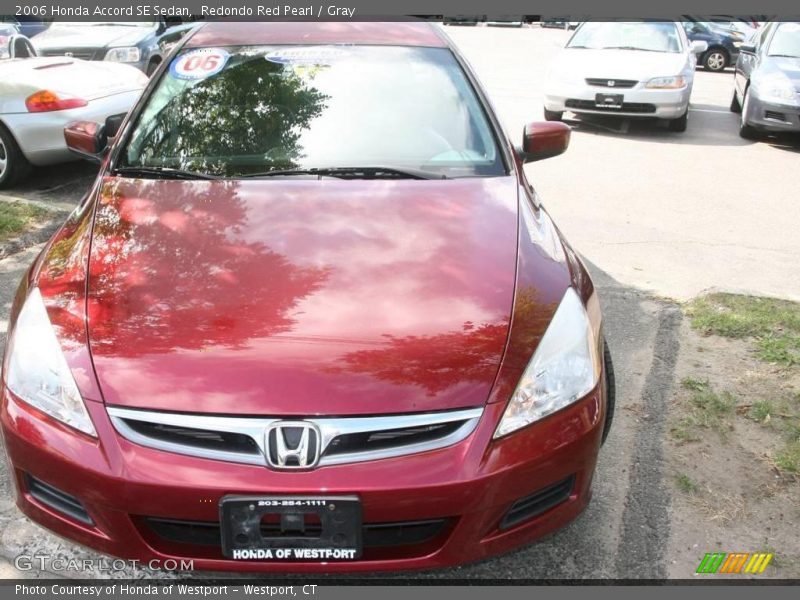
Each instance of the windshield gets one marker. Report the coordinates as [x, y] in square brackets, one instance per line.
[652, 37]
[244, 110]
[786, 41]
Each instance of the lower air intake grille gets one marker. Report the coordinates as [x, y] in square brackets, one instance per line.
[627, 107]
[57, 500]
[206, 533]
[537, 503]
[774, 115]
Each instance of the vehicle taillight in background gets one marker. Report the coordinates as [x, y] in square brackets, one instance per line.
[46, 101]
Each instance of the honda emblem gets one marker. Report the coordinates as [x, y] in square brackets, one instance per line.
[292, 445]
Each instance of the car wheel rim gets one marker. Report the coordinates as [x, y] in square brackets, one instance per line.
[3, 158]
[716, 61]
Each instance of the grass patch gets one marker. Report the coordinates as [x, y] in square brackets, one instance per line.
[16, 217]
[685, 484]
[788, 459]
[708, 410]
[773, 324]
[761, 411]
[781, 415]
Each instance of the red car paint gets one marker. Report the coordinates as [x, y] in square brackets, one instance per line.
[305, 298]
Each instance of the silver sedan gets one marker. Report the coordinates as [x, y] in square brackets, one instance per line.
[40, 95]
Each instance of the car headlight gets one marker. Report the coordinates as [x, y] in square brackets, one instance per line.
[777, 89]
[127, 54]
[38, 373]
[667, 83]
[565, 367]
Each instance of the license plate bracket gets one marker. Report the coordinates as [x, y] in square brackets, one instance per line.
[608, 100]
[291, 528]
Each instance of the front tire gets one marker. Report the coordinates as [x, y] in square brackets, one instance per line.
[553, 115]
[735, 106]
[679, 125]
[715, 60]
[13, 165]
[746, 130]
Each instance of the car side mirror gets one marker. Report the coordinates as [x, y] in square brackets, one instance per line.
[748, 48]
[544, 140]
[87, 139]
[698, 46]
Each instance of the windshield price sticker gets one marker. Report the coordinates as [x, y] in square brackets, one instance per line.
[316, 55]
[199, 64]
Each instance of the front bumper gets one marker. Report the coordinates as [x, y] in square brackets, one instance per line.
[40, 136]
[469, 486]
[772, 116]
[638, 101]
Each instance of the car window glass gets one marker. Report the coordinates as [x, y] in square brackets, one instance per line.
[786, 41]
[292, 107]
[655, 37]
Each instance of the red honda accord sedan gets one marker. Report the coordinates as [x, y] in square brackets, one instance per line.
[310, 317]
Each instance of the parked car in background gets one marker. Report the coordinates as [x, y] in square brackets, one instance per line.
[208, 364]
[40, 96]
[723, 45]
[555, 22]
[766, 89]
[505, 21]
[642, 69]
[27, 26]
[140, 44]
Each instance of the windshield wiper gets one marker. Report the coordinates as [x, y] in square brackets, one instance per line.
[160, 173]
[784, 55]
[352, 173]
[631, 48]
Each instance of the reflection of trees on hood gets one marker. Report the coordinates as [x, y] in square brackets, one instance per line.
[440, 361]
[169, 271]
[255, 109]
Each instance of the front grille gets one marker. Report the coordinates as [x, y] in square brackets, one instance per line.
[774, 115]
[392, 438]
[341, 440]
[629, 107]
[612, 83]
[534, 505]
[198, 438]
[374, 535]
[57, 500]
[73, 52]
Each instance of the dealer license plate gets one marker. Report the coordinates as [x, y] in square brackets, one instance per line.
[291, 528]
[608, 100]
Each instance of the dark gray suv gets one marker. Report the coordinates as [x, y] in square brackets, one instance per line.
[140, 44]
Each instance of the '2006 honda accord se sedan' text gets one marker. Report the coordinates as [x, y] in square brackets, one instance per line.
[311, 316]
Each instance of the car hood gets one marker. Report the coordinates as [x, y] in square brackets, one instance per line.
[782, 65]
[579, 64]
[301, 297]
[89, 36]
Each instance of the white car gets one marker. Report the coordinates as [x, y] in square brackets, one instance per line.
[643, 69]
[40, 95]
